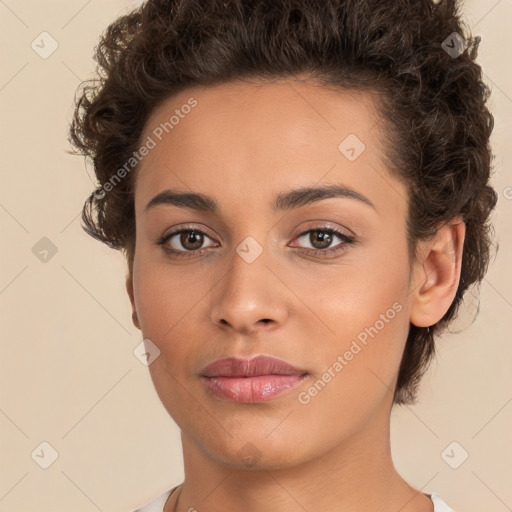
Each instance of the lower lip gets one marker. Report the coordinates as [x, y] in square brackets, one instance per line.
[252, 389]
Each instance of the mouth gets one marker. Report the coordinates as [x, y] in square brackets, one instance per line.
[259, 379]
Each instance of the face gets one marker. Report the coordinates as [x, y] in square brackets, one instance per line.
[262, 267]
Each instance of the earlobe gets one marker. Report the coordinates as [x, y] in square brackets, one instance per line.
[129, 289]
[135, 320]
[437, 274]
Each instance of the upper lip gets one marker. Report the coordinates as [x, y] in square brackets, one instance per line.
[257, 366]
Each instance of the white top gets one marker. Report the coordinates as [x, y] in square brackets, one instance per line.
[157, 505]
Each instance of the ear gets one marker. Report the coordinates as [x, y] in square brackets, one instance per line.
[436, 275]
[129, 289]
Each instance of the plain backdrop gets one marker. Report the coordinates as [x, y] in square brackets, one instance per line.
[74, 397]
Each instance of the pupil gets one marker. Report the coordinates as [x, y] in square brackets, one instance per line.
[324, 238]
[196, 239]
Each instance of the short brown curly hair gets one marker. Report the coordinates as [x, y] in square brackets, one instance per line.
[431, 94]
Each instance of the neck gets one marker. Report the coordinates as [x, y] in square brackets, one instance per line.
[356, 475]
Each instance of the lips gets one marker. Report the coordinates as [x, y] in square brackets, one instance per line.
[257, 366]
[259, 379]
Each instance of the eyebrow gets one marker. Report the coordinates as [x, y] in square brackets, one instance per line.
[289, 200]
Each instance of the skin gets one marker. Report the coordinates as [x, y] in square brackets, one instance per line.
[243, 144]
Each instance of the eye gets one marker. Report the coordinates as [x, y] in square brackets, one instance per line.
[184, 241]
[322, 238]
[189, 241]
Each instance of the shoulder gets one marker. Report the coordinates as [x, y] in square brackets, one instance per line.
[157, 504]
[439, 504]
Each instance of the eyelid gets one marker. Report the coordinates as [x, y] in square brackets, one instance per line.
[325, 225]
[188, 227]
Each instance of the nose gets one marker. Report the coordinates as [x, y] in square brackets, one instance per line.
[249, 297]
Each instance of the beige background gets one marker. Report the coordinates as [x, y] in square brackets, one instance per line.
[68, 374]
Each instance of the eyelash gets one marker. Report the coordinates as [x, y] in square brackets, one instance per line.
[346, 239]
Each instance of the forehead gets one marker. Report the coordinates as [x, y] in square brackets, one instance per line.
[251, 139]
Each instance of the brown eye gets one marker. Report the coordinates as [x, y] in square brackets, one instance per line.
[191, 240]
[320, 239]
[185, 241]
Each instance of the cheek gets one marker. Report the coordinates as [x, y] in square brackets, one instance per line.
[166, 316]
[357, 367]
[168, 302]
[165, 296]
[363, 308]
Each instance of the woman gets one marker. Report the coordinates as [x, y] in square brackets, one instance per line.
[301, 192]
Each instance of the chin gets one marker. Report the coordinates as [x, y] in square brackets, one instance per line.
[252, 457]
[252, 451]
